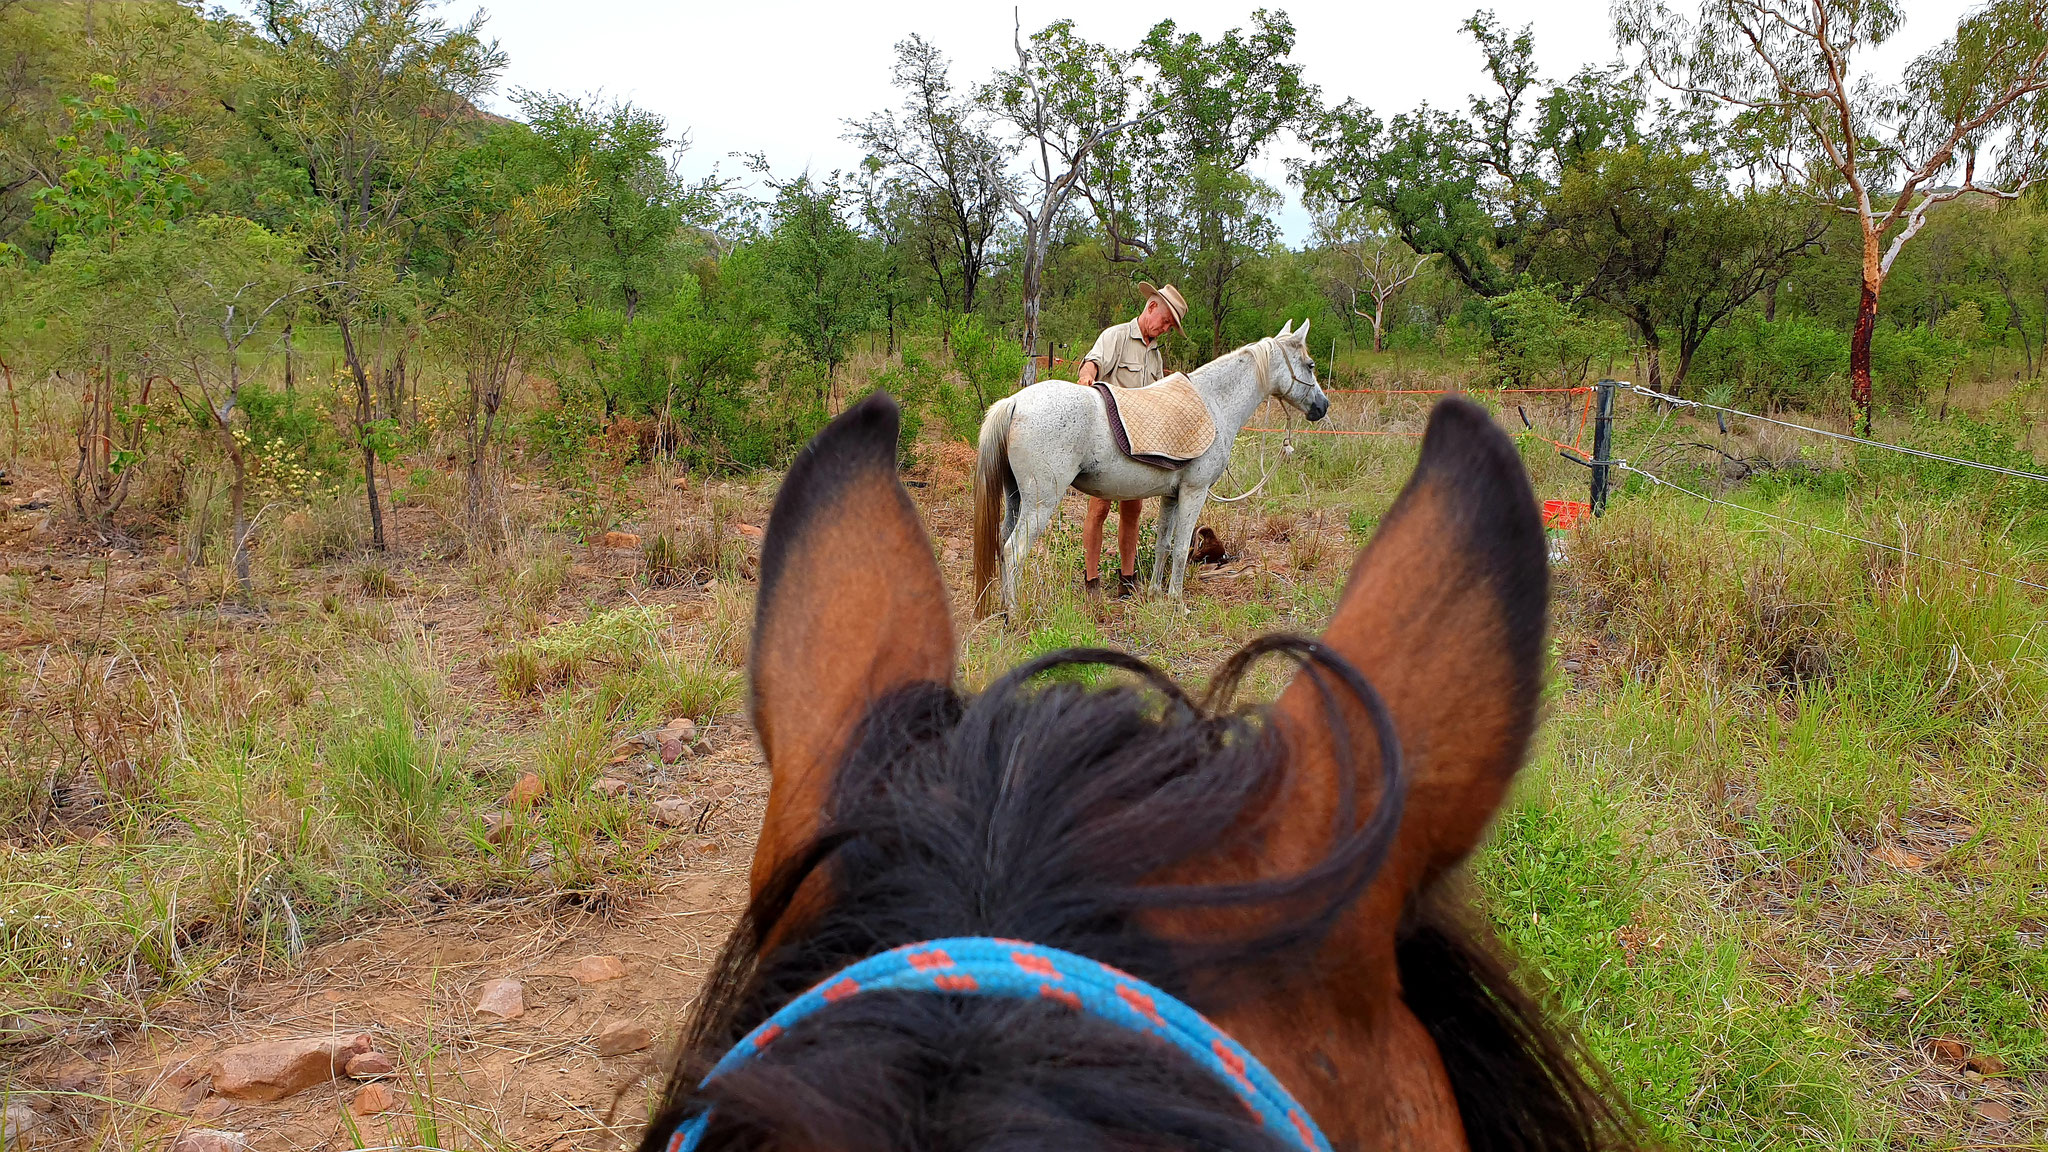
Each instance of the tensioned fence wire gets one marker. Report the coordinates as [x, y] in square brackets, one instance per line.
[1677, 402]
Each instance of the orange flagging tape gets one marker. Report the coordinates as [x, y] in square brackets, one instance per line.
[1331, 432]
[1449, 391]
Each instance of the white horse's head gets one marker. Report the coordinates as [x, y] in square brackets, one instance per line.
[1291, 373]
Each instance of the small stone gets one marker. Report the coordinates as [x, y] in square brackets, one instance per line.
[672, 812]
[682, 728]
[1900, 992]
[17, 1120]
[210, 1140]
[526, 793]
[505, 999]
[610, 786]
[621, 540]
[1985, 1064]
[371, 1063]
[373, 1098]
[1946, 1049]
[748, 530]
[597, 969]
[1995, 1111]
[671, 751]
[622, 1036]
[211, 1109]
[275, 1069]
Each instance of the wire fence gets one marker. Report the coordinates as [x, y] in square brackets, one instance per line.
[1902, 550]
[1580, 428]
[1678, 402]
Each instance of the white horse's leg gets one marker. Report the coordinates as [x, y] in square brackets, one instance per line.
[1185, 517]
[1169, 506]
[1034, 512]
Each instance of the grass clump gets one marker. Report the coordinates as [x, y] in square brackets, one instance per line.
[558, 654]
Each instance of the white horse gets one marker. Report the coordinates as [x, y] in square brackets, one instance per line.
[1036, 442]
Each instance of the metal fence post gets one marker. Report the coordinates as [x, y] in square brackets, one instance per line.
[1603, 441]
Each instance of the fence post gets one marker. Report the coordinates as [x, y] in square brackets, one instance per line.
[1603, 441]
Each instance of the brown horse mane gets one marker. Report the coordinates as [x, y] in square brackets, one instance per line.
[1042, 810]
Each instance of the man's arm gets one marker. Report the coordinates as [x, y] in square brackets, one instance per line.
[1088, 373]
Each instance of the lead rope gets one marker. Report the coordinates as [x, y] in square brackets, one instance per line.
[1262, 359]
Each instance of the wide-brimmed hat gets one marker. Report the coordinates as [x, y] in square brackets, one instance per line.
[1170, 296]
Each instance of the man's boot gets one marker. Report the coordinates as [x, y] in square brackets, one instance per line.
[1093, 586]
[1126, 585]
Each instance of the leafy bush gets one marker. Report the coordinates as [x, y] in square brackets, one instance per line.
[1791, 363]
[1539, 341]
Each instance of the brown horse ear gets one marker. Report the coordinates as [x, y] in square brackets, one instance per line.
[1445, 614]
[851, 608]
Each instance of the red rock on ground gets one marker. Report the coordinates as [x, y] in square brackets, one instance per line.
[505, 999]
[371, 1063]
[622, 1036]
[275, 1069]
[597, 969]
[620, 540]
[374, 1098]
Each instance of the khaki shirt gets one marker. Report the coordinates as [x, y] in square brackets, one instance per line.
[1124, 358]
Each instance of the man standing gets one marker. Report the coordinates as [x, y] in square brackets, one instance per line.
[1126, 356]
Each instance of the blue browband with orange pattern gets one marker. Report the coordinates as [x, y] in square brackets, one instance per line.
[981, 966]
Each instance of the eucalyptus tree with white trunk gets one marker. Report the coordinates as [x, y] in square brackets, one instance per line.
[1886, 153]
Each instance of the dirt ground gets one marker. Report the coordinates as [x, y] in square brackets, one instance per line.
[465, 1079]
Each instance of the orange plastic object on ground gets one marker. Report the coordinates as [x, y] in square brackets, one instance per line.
[1565, 514]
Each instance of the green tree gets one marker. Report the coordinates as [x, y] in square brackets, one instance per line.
[203, 293]
[368, 97]
[114, 189]
[623, 228]
[820, 269]
[942, 145]
[1541, 340]
[1064, 112]
[496, 315]
[1884, 153]
[1470, 187]
[1218, 104]
[1654, 234]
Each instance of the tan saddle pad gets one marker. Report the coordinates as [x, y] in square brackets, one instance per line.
[1164, 424]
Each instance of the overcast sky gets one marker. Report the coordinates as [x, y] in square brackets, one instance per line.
[780, 77]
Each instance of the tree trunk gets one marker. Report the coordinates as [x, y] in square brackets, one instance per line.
[1859, 353]
[1379, 319]
[1686, 348]
[365, 414]
[1771, 302]
[238, 495]
[14, 410]
[1653, 353]
[1034, 276]
[288, 382]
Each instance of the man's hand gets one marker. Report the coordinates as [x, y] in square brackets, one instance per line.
[1087, 374]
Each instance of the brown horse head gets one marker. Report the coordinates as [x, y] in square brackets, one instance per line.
[1281, 869]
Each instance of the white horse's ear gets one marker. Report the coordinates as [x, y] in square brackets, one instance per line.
[1285, 329]
[1301, 337]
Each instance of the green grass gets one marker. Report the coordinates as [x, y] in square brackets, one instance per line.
[1787, 820]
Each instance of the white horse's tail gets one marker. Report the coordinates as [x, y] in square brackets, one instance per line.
[993, 482]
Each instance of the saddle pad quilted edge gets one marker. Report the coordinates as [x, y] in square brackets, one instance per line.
[1164, 424]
